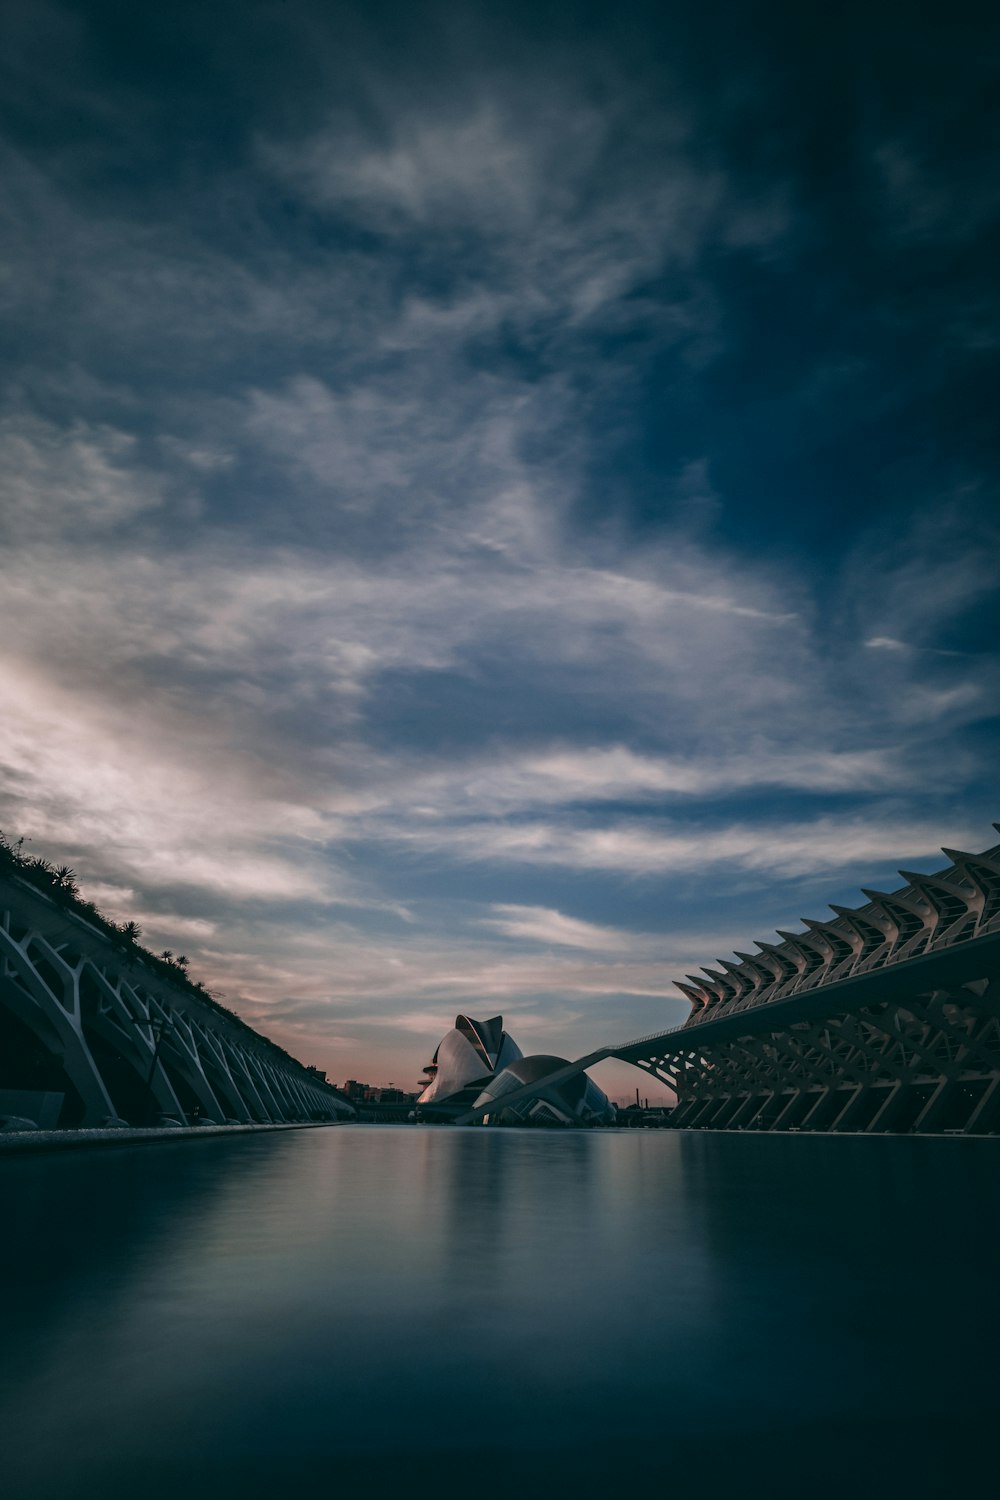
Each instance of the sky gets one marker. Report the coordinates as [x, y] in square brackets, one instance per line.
[498, 503]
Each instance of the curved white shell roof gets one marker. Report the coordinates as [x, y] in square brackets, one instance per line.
[471, 1052]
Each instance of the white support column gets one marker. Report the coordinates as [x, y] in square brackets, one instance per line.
[133, 1034]
[53, 1016]
[248, 1087]
[278, 1083]
[275, 1108]
[180, 1045]
[214, 1055]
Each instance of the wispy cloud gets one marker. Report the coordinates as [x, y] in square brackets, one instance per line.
[68, 481]
[540, 925]
[516, 170]
[414, 591]
[144, 802]
[646, 849]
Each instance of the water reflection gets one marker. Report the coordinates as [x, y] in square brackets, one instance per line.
[412, 1306]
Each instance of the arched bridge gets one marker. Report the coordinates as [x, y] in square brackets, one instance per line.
[94, 1031]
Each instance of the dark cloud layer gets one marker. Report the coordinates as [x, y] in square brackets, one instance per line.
[499, 505]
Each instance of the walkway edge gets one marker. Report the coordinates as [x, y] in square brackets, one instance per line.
[19, 1143]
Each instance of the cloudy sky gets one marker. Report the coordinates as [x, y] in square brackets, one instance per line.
[499, 503]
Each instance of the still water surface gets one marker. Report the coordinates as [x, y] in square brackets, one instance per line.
[473, 1312]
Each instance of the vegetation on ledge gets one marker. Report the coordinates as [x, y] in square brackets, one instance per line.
[60, 885]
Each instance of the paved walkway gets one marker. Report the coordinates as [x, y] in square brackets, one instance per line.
[15, 1141]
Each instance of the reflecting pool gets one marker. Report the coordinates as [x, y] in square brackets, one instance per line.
[472, 1312]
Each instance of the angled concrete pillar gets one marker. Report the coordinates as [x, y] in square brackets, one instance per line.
[248, 1087]
[123, 1019]
[55, 1020]
[216, 1063]
[180, 1050]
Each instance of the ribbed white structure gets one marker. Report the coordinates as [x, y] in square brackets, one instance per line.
[127, 1041]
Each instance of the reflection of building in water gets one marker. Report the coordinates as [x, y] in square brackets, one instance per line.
[574, 1101]
[466, 1059]
[477, 1062]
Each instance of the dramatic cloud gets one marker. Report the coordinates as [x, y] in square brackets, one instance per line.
[494, 518]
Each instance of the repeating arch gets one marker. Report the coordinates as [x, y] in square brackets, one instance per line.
[885, 1017]
[126, 1043]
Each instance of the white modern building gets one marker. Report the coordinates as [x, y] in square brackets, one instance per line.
[466, 1058]
[477, 1063]
[570, 1101]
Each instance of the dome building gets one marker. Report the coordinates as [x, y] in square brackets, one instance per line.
[573, 1101]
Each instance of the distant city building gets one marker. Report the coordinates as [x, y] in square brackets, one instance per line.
[373, 1093]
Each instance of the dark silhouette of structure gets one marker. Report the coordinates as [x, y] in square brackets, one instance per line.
[885, 1018]
[97, 1030]
[576, 1101]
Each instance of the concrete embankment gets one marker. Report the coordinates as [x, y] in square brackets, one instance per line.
[15, 1142]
